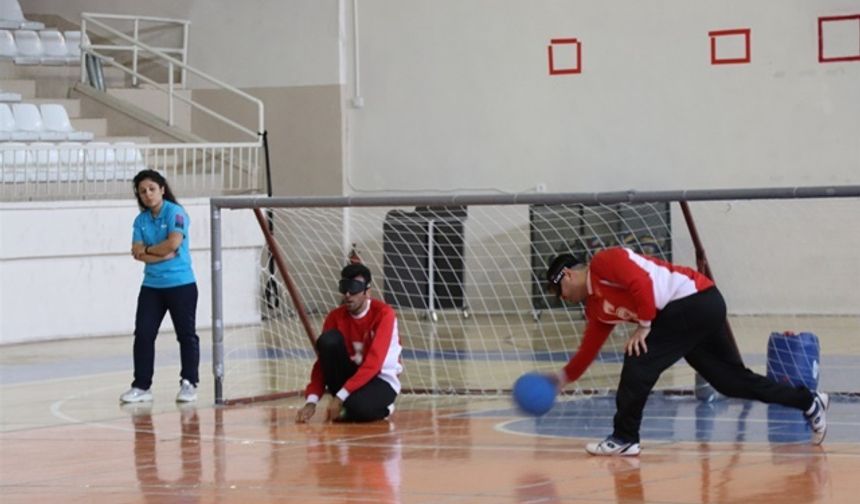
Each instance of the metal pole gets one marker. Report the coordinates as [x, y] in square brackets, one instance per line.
[170, 93]
[431, 272]
[217, 303]
[83, 50]
[184, 54]
[704, 390]
[134, 53]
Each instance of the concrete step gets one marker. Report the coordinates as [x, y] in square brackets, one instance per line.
[55, 81]
[25, 87]
[155, 101]
[98, 126]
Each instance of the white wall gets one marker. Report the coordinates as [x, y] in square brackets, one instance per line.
[457, 96]
[66, 269]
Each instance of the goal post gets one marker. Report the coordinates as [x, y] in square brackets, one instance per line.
[465, 274]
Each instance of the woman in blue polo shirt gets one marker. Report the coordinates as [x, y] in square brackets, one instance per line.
[160, 241]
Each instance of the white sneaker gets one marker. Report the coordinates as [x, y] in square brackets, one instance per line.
[816, 416]
[612, 446]
[187, 392]
[135, 395]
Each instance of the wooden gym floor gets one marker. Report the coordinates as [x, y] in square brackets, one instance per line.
[65, 438]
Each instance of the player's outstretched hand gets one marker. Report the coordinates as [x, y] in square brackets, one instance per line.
[333, 411]
[306, 413]
[636, 343]
[555, 379]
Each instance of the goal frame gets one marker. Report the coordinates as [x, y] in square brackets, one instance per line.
[682, 197]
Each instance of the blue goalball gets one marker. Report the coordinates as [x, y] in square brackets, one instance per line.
[534, 393]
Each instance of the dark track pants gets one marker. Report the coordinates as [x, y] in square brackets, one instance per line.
[694, 328]
[152, 304]
[370, 402]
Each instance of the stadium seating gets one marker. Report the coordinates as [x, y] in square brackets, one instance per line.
[54, 50]
[73, 45]
[7, 122]
[56, 122]
[8, 96]
[69, 161]
[8, 49]
[46, 47]
[27, 122]
[12, 17]
[29, 47]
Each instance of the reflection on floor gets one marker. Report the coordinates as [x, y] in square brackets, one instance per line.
[64, 438]
[684, 418]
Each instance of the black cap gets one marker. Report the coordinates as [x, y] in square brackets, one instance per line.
[555, 271]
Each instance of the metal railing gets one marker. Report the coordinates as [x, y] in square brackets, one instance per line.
[139, 48]
[100, 170]
[181, 52]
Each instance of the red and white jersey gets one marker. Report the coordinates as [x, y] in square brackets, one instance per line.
[624, 286]
[373, 343]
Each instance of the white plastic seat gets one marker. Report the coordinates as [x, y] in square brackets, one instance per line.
[100, 161]
[7, 122]
[8, 49]
[71, 153]
[73, 45]
[53, 47]
[7, 96]
[129, 160]
[70, 164]
[28, 122]
[100, 153]
[57, 126]
[15, 153]
[44, 153]
[15, 162]
[11, 16]
[55, 161]
[29, 47]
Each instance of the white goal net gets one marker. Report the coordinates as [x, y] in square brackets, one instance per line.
[466, 277]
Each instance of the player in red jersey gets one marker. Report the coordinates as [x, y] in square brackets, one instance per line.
[358, 355]
[679, 313]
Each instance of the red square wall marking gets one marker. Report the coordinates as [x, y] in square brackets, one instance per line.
[730, 46]
[569, 52]
[839, 38]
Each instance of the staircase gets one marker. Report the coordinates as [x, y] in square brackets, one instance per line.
[150, 118]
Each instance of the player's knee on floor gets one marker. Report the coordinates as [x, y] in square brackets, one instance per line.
[329, 340]
[358, 411]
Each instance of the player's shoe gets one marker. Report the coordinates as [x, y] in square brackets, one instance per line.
[135, 395]
[816, 416]
[187, 392]
[613, 447]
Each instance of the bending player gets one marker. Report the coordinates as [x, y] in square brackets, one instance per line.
[679, 313]
[358, 355]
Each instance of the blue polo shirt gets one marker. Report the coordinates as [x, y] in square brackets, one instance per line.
[153, 230]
